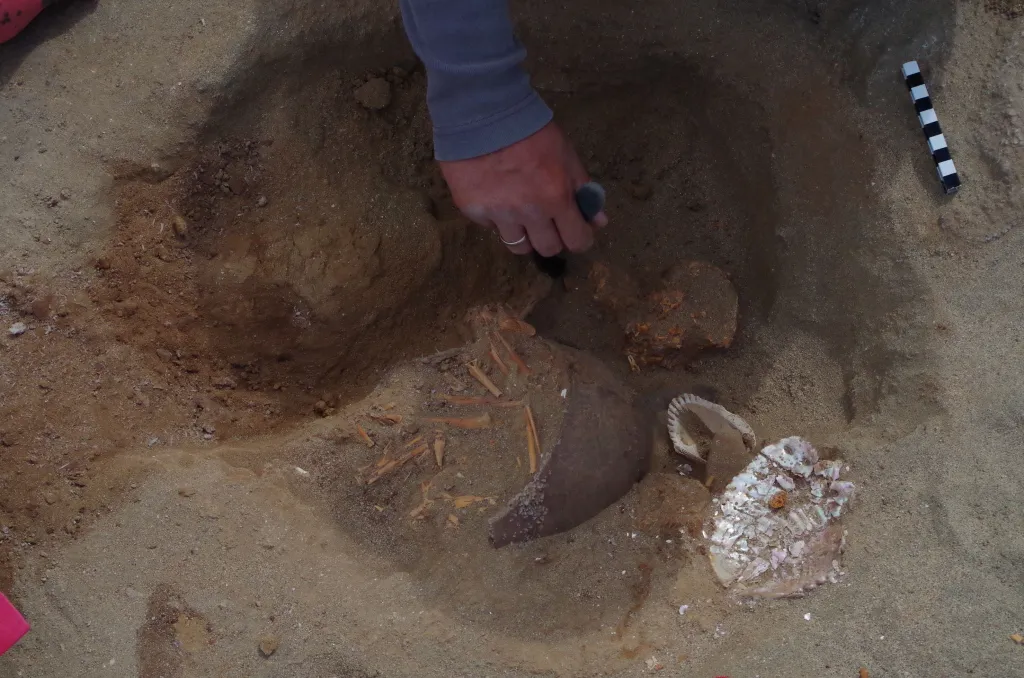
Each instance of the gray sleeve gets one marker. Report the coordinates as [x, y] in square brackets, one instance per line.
[478, 93]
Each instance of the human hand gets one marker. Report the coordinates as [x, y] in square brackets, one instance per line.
[527, 191]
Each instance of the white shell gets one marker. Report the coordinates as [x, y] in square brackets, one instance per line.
[757, 551]
[711, 415]
[760, 552]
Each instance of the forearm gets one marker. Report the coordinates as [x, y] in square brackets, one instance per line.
[479, 95]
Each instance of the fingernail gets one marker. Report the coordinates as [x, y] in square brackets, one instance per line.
[601, 220]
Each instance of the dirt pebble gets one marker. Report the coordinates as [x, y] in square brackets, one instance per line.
[268, 645]
[374, 95]
[180, 225]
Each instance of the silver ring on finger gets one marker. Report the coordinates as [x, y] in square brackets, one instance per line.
[513, 243]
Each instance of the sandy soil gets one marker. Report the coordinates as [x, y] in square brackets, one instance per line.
[226, 261]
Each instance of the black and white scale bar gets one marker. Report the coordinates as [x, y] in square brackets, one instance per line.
[930, 125]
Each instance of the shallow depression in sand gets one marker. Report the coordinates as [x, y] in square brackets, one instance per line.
[746, 162]
[322, 250]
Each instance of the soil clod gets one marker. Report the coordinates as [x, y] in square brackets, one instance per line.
[375, 95]
[268, 645]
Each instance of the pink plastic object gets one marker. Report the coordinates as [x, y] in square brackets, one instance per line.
[16, 14]
[12, 625]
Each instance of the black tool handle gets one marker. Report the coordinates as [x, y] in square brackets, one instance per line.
[590, 199]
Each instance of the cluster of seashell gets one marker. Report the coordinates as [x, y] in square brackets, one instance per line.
[774, 531]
